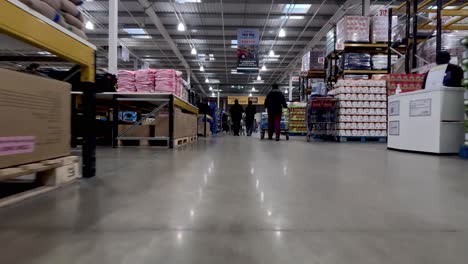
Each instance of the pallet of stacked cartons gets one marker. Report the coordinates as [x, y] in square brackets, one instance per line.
[362, 110]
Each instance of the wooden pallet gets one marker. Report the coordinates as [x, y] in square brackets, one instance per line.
[362, 139]
[185, 140]
[49, 175]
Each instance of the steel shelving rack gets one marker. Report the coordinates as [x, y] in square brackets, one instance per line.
[24, 24]
[413, 10]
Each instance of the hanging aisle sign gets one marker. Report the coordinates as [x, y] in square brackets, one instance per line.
[247, 50]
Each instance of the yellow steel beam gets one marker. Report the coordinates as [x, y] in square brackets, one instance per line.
[456, 20]
[21, 25]
[449, 12]
[449, 3]
[185, 106]
[399, 7]
[444, 27]
[424, 4]
[427, 2]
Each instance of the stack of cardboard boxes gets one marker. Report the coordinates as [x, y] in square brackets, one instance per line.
[35, 118]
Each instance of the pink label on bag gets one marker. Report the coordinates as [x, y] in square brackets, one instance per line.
[16, 145]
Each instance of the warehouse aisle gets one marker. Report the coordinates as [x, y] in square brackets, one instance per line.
[242, 200]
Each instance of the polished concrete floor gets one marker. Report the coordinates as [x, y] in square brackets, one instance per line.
[245, 201]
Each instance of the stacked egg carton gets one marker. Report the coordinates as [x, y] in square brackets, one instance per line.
[362, 108]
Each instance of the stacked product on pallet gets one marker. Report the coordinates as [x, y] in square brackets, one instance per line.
[379, 61]
[312, 60]
[352, 29]
[152, 81]
[63, 12]
[362, 108]
[356, 61]
[297, 118]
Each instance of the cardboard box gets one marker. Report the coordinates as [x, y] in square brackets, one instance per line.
[35, 118]
[185, 125]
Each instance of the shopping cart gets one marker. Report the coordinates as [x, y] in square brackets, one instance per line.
[284, 124]
[321, 118]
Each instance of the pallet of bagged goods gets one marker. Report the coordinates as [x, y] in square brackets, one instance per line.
[62, 12]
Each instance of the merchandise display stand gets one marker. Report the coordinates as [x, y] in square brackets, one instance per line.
[297, 119]
[24, 24]
[156, 102]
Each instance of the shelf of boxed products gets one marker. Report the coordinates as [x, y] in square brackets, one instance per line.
[297, 118]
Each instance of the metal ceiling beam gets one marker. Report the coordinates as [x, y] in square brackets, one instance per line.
[157, 22]
[194, 15]
[201, 38]
[196, 28]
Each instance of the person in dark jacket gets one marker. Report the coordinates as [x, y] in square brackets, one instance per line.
[274, 103]
[236, 116]
[250, 112]
[453, 74]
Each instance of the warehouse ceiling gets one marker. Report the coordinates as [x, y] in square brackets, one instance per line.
[211, 28]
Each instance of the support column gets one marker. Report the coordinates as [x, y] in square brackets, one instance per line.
[135, 64]
[290, 87]
[365, 7]
[407, 36]
[113, 36]
[414, 42]
[439, 27]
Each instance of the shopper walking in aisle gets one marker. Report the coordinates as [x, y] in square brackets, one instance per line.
[250, 112]
[236, 116]
[274, 103]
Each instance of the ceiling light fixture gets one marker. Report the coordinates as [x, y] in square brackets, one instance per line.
[135, 31]
[181, 26]
[271, 54]
[89, 25]
[207, 80]
[282, 33]
[202, 68]
[253, 89]
[286, 91]
[250, 94]
[259, 78]
[213, 94]
[211, 88]
[194, 51]
[264, 68]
